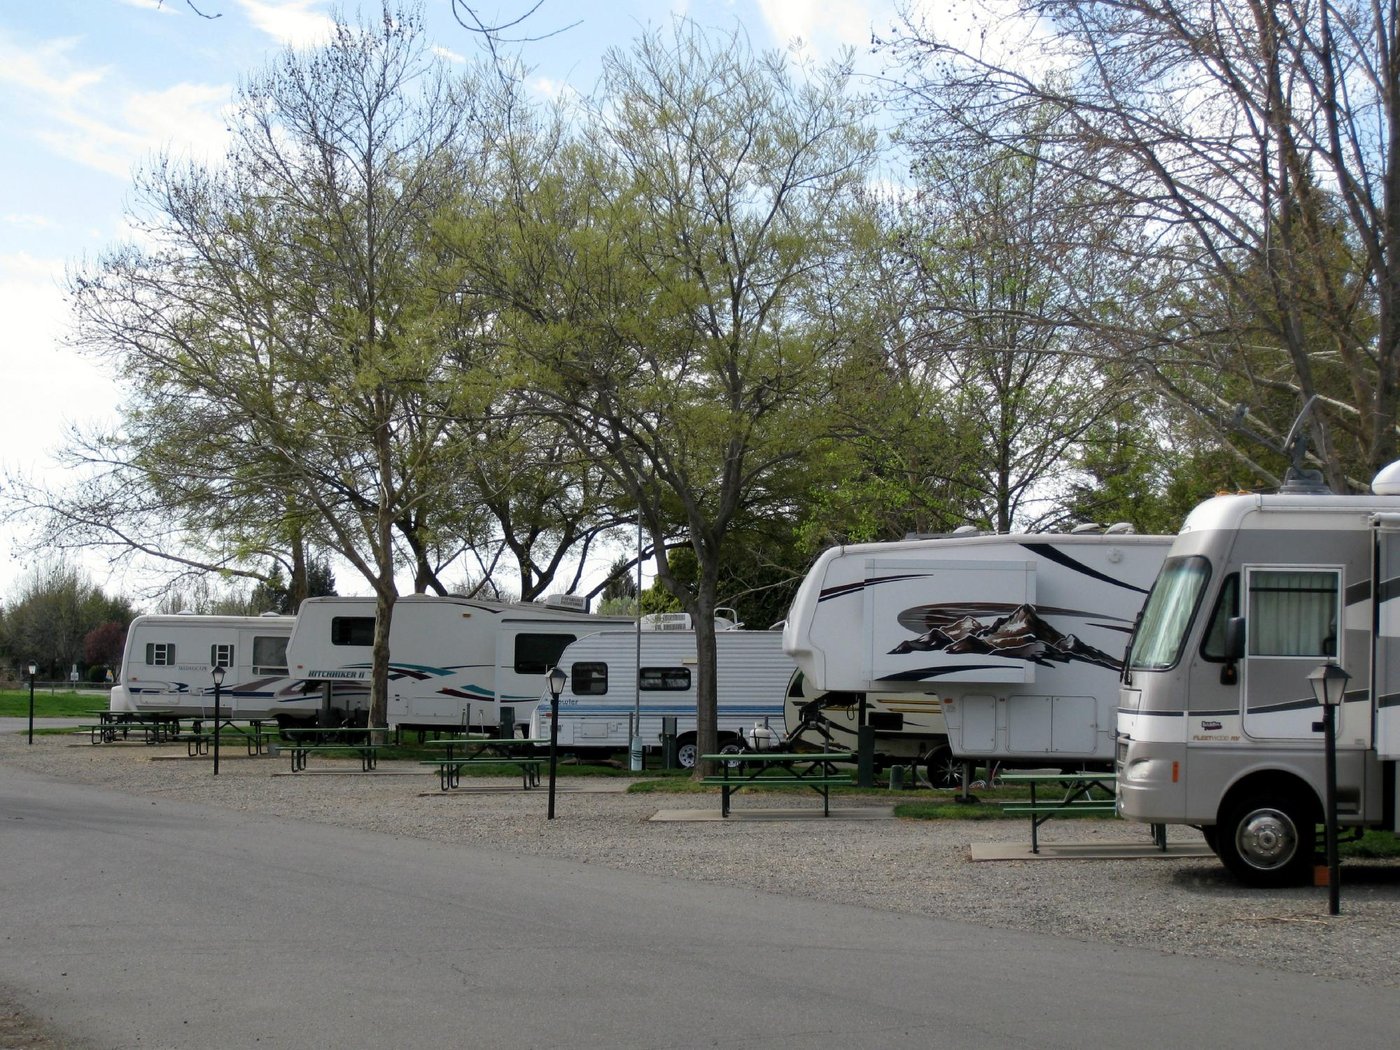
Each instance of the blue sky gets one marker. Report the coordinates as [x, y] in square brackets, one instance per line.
[91, 89]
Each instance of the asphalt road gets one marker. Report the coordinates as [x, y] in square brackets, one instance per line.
[138, 922]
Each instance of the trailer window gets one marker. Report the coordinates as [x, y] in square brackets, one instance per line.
[537, 653]
[269, 655]
[1166, 618]
[221, 656]
[352, 630]
[589, 679]
[667, 678]
[1227, 604]
[1293, 612]
[160, 654]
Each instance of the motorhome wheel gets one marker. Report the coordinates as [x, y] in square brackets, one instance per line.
[1268, 841]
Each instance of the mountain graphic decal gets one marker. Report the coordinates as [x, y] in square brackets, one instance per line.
[1019, 635]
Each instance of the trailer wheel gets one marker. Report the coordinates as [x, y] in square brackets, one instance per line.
[687, 752]
[732, 746]
[941, 769]
[1267, 841]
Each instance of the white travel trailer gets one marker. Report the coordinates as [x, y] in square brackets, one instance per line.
[601, 696]
[1016, 639]
[453, 662]
[168, 659]
[1218, 724]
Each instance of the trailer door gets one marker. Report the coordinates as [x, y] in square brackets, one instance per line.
[1293, 622]
[1386, 662]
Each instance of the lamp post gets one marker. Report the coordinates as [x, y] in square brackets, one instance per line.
[33, 670]
[218, 675]
[1329, 685]
[556, 679]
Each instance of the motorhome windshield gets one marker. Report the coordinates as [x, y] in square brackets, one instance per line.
[1166, 617]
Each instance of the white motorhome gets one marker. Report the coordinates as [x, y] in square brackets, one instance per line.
[1016, 640]
[453, 662]
[167, 662]
[1218, 724]
[602, 696]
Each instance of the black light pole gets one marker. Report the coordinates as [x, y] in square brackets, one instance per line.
[218, 674]
[1329, 685]
[33, 670]
[556, 679]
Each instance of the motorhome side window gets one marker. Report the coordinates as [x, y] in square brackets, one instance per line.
[1293, 612]
[1227, 604]
[160, 654]
[588, 679]
[352, 630]
[668, 678]
[537, 653]
[221, 656]
[269, 655]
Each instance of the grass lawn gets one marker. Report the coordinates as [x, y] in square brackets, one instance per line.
[52, 703]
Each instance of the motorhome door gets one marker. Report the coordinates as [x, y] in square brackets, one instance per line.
[1293, 617]
[1386, 688]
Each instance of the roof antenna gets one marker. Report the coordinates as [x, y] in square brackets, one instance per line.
[1299, 479]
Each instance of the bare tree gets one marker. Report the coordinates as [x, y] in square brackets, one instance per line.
[1247, 145]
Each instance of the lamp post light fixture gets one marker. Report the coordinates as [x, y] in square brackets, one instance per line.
[1329, 686]
[33, 670]
[556, 679]
[218, 676]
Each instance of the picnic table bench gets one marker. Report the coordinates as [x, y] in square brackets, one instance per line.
[485, 751]
[303, 743]
[112, 726]
[1081, 793]
[816, 770]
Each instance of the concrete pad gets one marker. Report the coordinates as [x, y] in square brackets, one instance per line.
[815, 813]
[1088, 851]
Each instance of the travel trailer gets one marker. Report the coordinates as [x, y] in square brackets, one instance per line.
[168, 659]
[601, 696]
[1218, 725]
[453, 662]
[1017, 640]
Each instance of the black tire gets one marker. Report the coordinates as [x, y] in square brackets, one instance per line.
[1211, 834]
[941, 769]
[732, 747]
[1268, 841]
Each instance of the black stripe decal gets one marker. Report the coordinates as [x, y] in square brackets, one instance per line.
[1056, 555]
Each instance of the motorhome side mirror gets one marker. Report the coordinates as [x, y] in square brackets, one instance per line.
[1234, 638]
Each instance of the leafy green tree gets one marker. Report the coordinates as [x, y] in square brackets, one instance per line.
[52, 614]
[666, 277]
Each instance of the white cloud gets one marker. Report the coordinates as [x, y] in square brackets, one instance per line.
[823, 29]
[295, 23]
[90, 116]
[28, 221]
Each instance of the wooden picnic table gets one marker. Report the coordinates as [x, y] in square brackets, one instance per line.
[816, 770]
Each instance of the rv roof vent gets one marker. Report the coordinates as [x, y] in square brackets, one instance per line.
[571, 602]
[1387, 481]
[1120, 528]
[667, 621]
[966, 530]
[185, 612]
[270, 613]
[1086, 526]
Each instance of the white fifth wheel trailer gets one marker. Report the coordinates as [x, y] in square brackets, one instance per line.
[1016, 639]
[1218, 726]
[167, 662]
[453, 662]
[601, 696]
